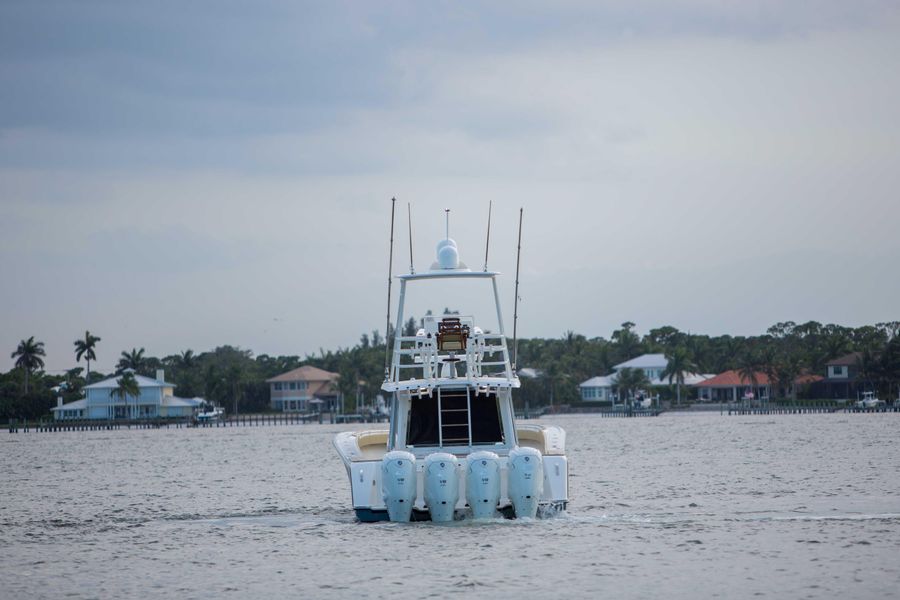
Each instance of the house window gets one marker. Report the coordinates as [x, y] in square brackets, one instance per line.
[302, 385]
[278, 387]
[293, 386]
[838, 371]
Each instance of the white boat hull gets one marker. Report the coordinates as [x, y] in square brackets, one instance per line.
[362, 453]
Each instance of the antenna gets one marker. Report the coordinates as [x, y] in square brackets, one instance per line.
[487, 243]
[447, 211]
[516, 304]
[412, 269]
[387, 333]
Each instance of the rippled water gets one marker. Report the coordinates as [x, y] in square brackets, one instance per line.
[674, 506]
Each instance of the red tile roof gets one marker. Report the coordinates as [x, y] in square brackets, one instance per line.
[733, 379]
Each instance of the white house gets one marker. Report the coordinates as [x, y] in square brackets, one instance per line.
[157, 399]
[598, 388]
[653, 365]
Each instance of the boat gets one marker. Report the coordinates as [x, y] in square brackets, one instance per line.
[453, 449]
[209, 412]
[869, 401]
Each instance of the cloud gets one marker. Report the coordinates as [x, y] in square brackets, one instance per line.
[215, 168]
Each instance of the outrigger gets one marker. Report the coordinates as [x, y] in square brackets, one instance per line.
[453, 449]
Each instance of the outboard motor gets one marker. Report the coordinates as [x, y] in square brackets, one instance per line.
[441, 486]
[525, 480]
[483, 484]
[398, 484]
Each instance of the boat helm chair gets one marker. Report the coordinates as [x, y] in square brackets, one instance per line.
[452, 335]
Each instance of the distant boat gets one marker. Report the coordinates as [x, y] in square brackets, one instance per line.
[210, 412]
[870, 400]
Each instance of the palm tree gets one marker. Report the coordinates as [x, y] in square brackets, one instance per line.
[552, 375]
[28, 357]
[627, 341]
[679, 365]
[630, 380]
[890, 364]
[133, 360]
[127, 386]
[768, 364]
[748, 368]
[186, 359]
[787, 369]
[85, 348]
[233, 377]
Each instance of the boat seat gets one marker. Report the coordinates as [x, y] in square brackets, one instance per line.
[452, 335]
[372, 445]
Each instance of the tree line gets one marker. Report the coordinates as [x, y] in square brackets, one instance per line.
[236, 378]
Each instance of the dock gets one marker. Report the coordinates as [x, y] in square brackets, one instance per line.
[807, 409]
[248, 420]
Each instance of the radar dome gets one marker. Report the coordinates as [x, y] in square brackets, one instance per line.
[445, 242]
[448, 255]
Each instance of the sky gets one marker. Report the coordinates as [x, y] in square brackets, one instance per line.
[185, 175]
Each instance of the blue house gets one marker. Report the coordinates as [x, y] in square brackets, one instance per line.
[156, 399]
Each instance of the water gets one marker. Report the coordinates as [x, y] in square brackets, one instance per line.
[675, 507]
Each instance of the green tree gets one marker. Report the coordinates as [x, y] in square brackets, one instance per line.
[664, 339]
[410, 328]
[788, 368]
[233, 379]
[629, 381]
[133, 360]
[28, 357]
[186, 359]
[749, 368]
[680, 364]
[85, 348]
[348, 379]
[626, 341]
[127, 385]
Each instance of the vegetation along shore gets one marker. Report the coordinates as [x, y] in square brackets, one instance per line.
[233, 376]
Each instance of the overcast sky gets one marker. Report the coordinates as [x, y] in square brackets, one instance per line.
[183, 175]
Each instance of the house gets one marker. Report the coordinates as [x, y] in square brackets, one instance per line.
[156, 400]
[841, 377]
[301, 389]
[598, 389]
[732, 386]
[652, 365]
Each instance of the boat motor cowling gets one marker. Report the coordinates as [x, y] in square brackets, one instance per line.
[441, 486]
[483, 484]
[398, 484]
[526, 480]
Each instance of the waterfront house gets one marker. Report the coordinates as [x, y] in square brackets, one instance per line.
[302, 389]
[732, 386]
[841, 377]
[598, 389]
[602, 388]
[156, 400]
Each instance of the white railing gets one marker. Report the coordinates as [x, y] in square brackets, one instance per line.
[429, 364]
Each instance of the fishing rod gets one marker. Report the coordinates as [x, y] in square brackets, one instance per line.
[387, 327]
[516, 302]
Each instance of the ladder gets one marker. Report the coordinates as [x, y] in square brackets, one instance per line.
[454, 420]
